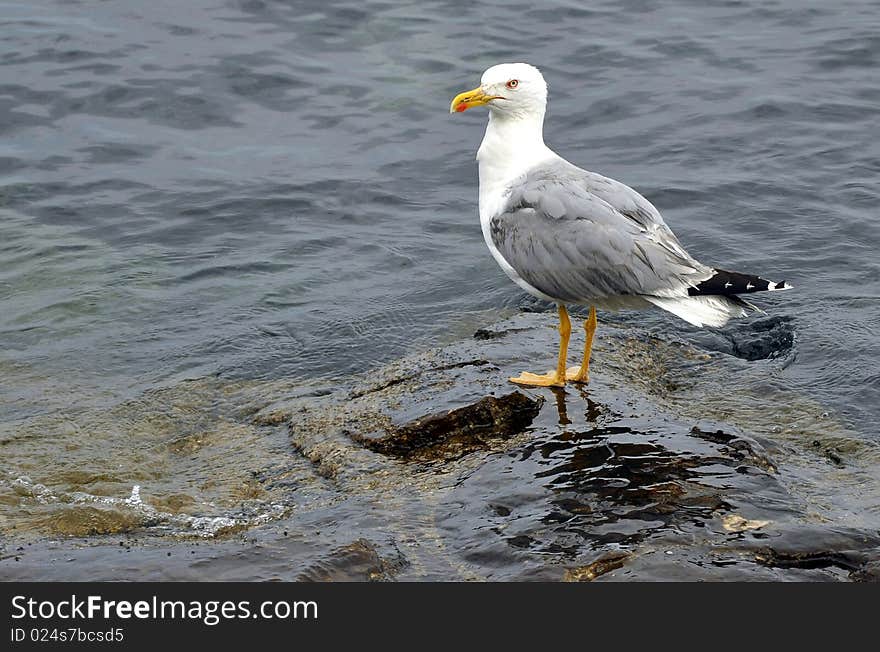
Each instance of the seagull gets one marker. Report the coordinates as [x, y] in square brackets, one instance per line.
[570, 236]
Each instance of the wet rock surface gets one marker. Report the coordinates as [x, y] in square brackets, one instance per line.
[435, 467]
[456, 432]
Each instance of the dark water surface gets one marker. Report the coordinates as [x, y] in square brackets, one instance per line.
[272, 195]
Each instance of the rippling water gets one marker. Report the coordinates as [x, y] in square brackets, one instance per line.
[274, 191]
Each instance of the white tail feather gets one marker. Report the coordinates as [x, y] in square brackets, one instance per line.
[707, 310]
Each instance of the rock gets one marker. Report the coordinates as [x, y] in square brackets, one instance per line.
[605, 564]
[359, 561]
[672, 464]
[456, 432]
[736, 523]
[524, 479]
[739, 446]
[86, 520]
[808, 559]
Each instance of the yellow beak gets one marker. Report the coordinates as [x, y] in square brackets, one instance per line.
[468, 99]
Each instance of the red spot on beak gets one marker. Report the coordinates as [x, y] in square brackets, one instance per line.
[461, 107]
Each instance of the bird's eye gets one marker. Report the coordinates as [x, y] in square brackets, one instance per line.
[513, 83]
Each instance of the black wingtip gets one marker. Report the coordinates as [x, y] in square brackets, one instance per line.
[729, 284]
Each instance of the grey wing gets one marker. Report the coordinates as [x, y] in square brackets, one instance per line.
[623, 199]
[573, 245]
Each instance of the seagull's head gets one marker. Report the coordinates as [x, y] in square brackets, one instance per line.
[508, 89]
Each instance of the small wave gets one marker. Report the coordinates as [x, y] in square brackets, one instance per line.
[148, 516]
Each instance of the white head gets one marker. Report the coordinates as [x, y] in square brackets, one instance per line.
[515, 90]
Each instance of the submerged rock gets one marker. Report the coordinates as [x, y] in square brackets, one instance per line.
[88, 520]
[358, 561]
[605, 564]
[536, 480]
[673, 463]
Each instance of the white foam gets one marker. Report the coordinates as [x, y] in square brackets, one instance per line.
[206, 526]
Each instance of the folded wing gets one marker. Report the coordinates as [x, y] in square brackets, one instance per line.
[579, 237]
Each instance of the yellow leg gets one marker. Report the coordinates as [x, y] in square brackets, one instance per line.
[551, 378]
[582, 374]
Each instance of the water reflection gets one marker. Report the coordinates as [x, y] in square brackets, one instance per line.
[559, 395]
[612, 482]
[593, 409]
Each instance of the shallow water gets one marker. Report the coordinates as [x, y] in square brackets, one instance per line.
[204, 206]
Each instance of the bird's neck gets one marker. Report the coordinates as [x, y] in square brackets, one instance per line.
[511, 146]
